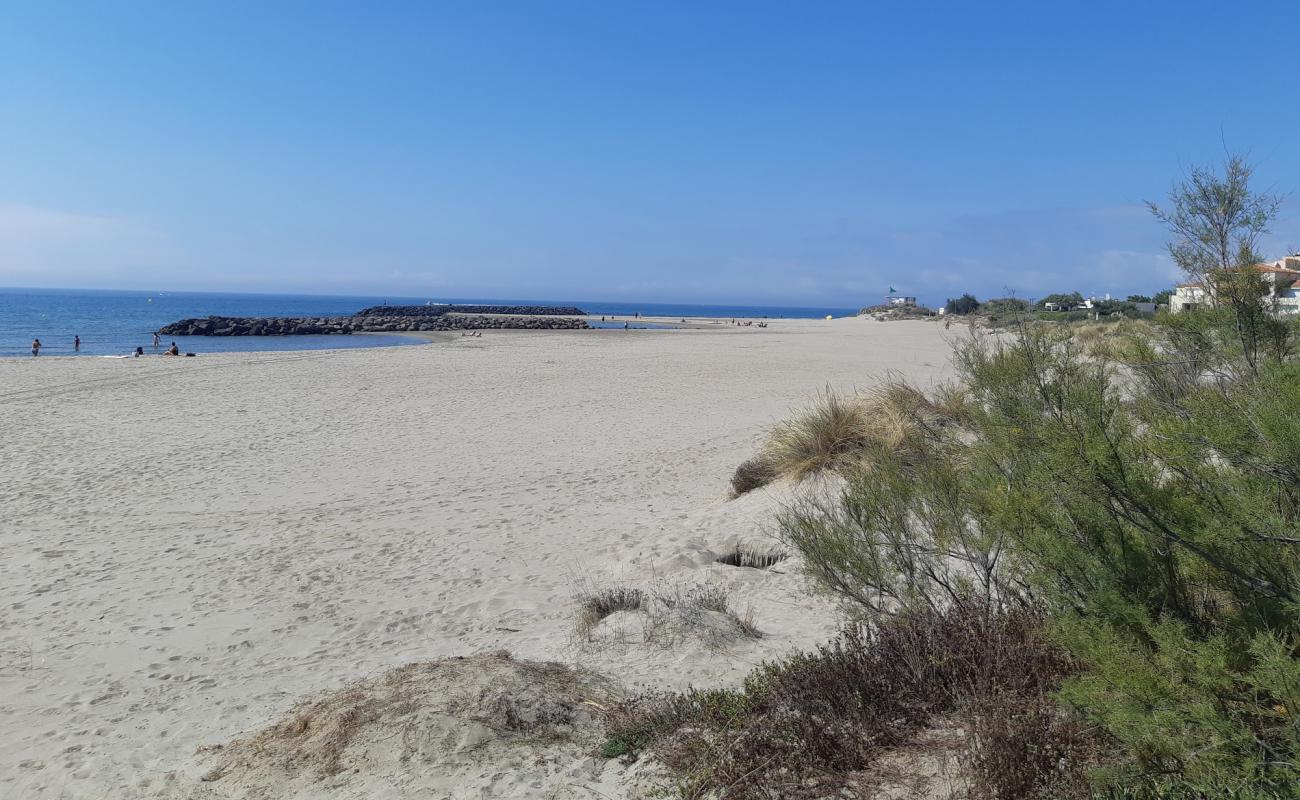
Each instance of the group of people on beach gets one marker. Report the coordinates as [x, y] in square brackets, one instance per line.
[139, 351]
[171, 351]
[76, 345]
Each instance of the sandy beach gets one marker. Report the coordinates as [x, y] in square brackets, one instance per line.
[194, 545]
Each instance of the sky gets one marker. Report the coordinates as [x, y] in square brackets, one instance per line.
[713, 152]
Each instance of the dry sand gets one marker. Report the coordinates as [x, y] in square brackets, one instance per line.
[192, 546]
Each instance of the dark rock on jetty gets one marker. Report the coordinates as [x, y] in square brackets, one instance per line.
[362, 323]
[438, 311]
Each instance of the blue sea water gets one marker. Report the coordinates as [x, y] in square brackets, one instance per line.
[116, 322]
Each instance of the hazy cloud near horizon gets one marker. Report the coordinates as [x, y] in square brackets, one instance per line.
[1115, 249]
[48, 247]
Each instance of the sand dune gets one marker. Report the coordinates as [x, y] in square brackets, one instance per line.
[192, 546]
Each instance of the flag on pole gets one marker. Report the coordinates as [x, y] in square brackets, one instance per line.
[892, 290]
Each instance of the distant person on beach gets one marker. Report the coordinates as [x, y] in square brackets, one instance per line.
[156, 340]
[36, 347]
[173, 350]
[76, 344]
[139, 351]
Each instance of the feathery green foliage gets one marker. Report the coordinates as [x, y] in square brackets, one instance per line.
[1150, 507]
[1134, 485]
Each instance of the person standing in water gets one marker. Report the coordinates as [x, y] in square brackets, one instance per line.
[36, 347]
[76, 344]
[156, 340]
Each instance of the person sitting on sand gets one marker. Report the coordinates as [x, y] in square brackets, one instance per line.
[139, 351]
[173, 350]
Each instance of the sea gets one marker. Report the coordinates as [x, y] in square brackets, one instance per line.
[116, 322]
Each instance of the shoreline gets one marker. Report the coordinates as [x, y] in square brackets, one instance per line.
[668, 323]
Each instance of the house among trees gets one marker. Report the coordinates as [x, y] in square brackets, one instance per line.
[1281, 279]
[1064, 302]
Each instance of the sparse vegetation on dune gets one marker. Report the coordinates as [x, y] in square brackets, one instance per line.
[597, 604]
[1131, 486]
[813, 725]
[411, 724]
[834, 430]
[668, 612]
[755, 473]
[1004, 311]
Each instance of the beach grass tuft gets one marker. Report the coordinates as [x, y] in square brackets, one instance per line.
[836, 430]
[669, 612]
[595, 605]
[754, 473]
[829, 430]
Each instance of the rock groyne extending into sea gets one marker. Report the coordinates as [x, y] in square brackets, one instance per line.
[441, 310]
[436, 318]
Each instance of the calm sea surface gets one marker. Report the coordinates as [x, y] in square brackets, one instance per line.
[115, 323]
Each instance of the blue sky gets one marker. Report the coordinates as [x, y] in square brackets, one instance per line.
[774, 153]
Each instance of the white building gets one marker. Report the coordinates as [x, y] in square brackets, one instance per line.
[1281, 276]
[899, 300]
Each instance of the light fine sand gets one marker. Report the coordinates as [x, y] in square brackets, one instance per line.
[192, 546]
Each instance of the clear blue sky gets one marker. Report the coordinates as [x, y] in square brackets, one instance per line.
[779, 153]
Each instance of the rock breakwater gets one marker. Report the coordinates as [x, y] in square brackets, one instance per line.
[308, 326]
[442, 310]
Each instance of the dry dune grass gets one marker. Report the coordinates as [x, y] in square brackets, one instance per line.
[1106, 339]
[597, 604]
[835, 430]
[666, 613]
[414, 717]
[971, 684]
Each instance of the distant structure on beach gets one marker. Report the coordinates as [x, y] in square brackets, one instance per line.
[1282, 278]
[900, 300]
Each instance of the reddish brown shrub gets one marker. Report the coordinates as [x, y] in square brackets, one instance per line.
[819, 719]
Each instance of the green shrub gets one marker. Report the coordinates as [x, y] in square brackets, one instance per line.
[1004, 311]
[1061, 299]
[966, 304]
[1151, 511]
